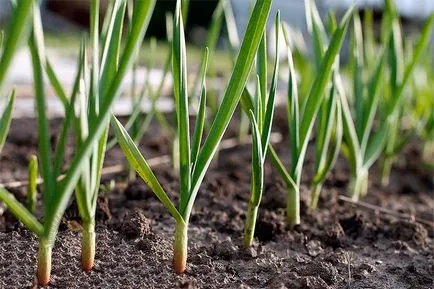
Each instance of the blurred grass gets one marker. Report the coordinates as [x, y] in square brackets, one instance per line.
[67, 45]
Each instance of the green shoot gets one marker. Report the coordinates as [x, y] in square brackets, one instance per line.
[302, 117]
[362, 147]
[32, 189]
[192, 174]
[329, 131]
[56, 195]
[261, 122]
[398, 139]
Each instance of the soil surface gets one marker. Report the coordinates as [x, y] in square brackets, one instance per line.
[340, 245]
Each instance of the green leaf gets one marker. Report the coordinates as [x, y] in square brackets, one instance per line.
[32, 186]
[200, 119]
[6, 118]
[360, 98]
[258, 102]
[319, 36]
[111, 50]
[421, 45]
[292, 106]
[16, 31]
[231, 26]
[326, 120]
[21, 213]
[372, 101]
[137, 161]
[257, 162]
[375, 147]
[231, 97]
[55, 83]
[317, 91]
[269, 105]
[261, 67]
[179, 68]
[44, 135]
[69, 114]
[351, 145]
[335, 143]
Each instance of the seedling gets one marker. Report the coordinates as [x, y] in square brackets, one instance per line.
[329, 127]
[362, 146]
[261, 122]
[56, 194]
[32, 186]
[302, 117]
[400, 80]
[195, 159]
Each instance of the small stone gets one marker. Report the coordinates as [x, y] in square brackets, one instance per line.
[314, 248]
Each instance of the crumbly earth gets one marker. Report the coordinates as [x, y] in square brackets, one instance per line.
[340, 245]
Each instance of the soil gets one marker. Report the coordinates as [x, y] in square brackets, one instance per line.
[340, 245]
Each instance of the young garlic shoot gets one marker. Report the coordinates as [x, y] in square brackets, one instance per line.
[397, 138]
[329, 126]
[362, 146]
[57, 194]
[261, 122]
[194, 159]
[315, 95]
[90, 103]
[301, 118]
[32, 187]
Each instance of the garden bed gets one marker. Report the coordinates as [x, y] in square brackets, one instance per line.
[341, 245]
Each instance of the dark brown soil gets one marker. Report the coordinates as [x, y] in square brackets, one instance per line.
[341, 245]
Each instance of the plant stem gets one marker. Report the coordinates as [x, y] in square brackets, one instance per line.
[249, 231]
[44, 262]
[314, 197]
[88, 245]
[32, 187]
[293, 206]
[428, 151]
[175, 153]
[180, 247]
[385, 172]
[359, 185]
